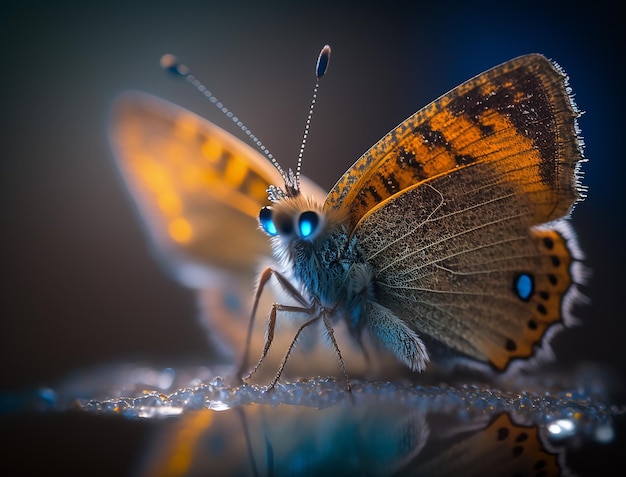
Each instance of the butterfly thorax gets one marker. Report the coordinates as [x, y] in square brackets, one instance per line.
[315, 245]
[332, 270]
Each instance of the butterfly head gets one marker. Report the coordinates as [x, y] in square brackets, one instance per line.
[293, 218]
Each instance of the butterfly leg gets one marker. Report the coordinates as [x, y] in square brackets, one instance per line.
[288, 287]
[329, 328]
[393, 334]
[271, 326]
[293, 343]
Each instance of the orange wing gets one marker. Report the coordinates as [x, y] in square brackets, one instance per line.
[198, 188]
[517, 108]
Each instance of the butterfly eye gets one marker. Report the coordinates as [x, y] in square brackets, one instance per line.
[267, 223]
[308, 223]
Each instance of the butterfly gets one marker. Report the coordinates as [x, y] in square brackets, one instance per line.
[448, 239]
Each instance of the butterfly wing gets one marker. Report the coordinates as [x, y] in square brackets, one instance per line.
[446, 208]
[197, 188]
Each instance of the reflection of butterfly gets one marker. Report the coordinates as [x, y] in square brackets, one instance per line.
[432, 243]
[504, 447]
[259, 439]
[349, 440]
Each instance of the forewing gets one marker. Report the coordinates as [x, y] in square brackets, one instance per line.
[520, 109]
[197, 188]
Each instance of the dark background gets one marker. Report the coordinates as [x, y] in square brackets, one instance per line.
[79, 287]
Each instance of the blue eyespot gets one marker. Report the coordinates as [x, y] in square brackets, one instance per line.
[524, 286]
[267, 224]
[307, 223]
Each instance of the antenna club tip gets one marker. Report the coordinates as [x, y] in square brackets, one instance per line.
[322, 61]
[171, 63]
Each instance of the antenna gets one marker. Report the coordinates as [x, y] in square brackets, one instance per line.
[170, 63]
[320, 70]
[292, 181]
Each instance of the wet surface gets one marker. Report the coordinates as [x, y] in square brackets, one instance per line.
[144, 421]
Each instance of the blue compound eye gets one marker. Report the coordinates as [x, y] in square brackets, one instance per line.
[308, 223]
[267, 224]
